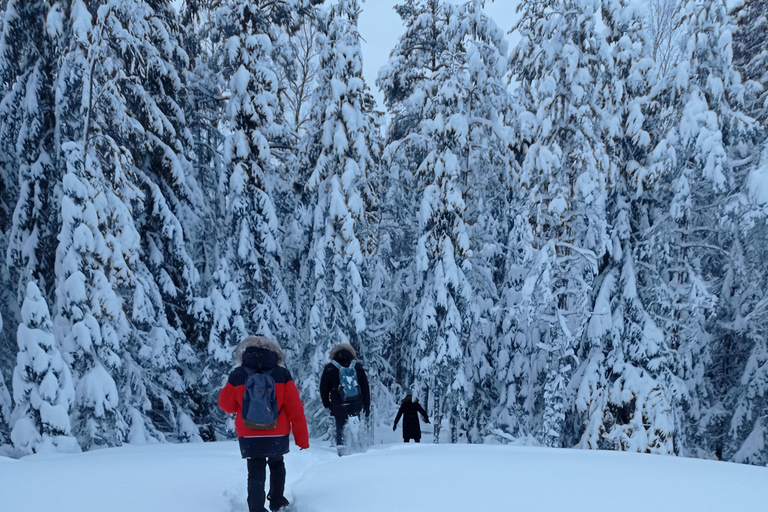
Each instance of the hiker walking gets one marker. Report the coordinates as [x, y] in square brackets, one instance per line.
[410, 408]
[344, 389]
[261, 392]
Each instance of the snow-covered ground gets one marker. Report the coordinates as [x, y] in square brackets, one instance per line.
[389, 477]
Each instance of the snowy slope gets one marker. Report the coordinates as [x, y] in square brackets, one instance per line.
[391, 478]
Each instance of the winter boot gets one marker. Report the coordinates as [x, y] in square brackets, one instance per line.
[278, 503]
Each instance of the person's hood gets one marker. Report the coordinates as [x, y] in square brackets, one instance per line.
[407, 398]
[259, 359]
[259, 352]
[343, 354]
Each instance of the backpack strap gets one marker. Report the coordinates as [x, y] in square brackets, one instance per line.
[251, 371]
[338, 365]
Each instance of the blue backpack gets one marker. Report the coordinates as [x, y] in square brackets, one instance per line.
[349, 389]
[260, 410]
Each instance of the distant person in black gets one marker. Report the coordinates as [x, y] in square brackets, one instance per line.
[410, 410]
[344, 355]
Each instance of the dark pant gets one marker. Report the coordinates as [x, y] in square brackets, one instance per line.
[407, 439]
[341, 421]
[257, 476]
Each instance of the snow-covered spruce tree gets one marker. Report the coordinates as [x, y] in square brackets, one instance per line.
[740, 361]
[6, 405]
[417, 51]
[565, 169]
[88, 307]
[441, 316]
[121, 61]
[750, 55]
[220, 319]
[440, 40]
[252, 244]
[493, 192]
[340, 150]
[746, 437]
[27, 72]
[624, 393]
[517, 360]
[688, 243]
[217, 309]
[42, 384]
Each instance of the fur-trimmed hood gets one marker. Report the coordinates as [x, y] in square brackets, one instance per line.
[259, 342]
[342, 347]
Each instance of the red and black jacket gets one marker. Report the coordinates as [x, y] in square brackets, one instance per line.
[265, 443]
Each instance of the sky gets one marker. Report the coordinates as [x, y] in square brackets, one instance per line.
[380, 26]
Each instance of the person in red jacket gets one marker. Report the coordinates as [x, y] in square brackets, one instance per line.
[261, 447]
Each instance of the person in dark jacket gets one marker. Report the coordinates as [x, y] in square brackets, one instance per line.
[262, 447]
[330, 392]
[409, 411]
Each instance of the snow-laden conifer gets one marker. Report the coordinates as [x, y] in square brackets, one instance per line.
[709, 135]
[624, 393]
[565, 169]
[133, 134]
[43, 391]
[88, 307]
[254, 120]
[750, 55]
[28, 70]
[339, 150]
[6, 405]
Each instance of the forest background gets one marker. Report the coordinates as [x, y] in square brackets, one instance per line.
[559, 242]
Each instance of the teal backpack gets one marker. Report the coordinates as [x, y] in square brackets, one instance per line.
[349, 389]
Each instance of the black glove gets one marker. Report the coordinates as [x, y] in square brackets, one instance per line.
[394, 427]
[367, 412]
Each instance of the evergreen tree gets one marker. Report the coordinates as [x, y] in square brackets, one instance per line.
[6, 404]
[709, 133]
[624, 395]
[565, 169]
[121, 65]
[88, 307]
[750, 55]
[340, 150]
[253, 242]
[42, 384]
[27, 70]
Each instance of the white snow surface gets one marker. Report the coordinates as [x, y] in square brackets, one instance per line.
[389, 477]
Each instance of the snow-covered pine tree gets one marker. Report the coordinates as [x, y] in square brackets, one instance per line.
[88, 307]
[490, 168]
[742, 361]
[441, 316]
[565, 168]
[689, 243]
[514, 358]
[42, 384]
[418, 49]
[340, 150]
[746, 357]
[252, 242]
[6, 405]
[750, 55]
[440, 40]
[217, 310]
[219, 318]
[120, 78]
[624, 395]
[28, 71]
